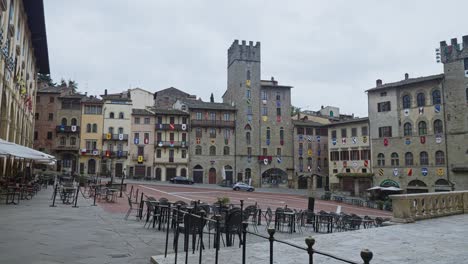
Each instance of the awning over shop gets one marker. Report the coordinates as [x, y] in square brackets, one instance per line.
[12, 149]
[394, 189]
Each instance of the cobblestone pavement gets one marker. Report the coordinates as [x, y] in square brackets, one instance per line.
[33, 232]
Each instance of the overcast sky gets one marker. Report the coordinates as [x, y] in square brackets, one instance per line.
[330, 51]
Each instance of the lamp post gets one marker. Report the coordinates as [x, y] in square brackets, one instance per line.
[122, 182]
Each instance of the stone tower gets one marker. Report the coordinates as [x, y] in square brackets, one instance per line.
[455, 60]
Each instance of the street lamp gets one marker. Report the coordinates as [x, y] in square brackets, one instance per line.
[122, 182]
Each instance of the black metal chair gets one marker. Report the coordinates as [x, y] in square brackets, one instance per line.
[131, 208]
[192, 225]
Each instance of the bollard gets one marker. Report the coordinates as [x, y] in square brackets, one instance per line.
[76, 197]
[55, 195]
[141, 206]
[217, 217]
[259, 216]
[202, 215]
[366, 255]
[167, 229]
[244, 240]
[242, 210]
[310, 241]
[95, 194]
[271, 232]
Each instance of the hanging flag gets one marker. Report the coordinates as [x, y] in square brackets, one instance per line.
[345, 163]
[354, 140]
[109, 136]
[136, 141]
[422, 139]
[146, 140]
[160, 144]
[366, 163]
[309, 138]
[265, 161]
[364, 139]
[309, 152]
[343, 141]
[184, 127]
[308, 168]
[171, 126]
[121, 136]
[395, 172]
[385, 142]
[73, 128]
[424, 171]
[407, 141]
[95, 152]
[437, 108]
[438, 139]
[140, 159]
[278, 159]
[421, 110]
[318, 138]
[268, 142]
[301, 137]
[406, 112]
[318, 168]
[334, 141]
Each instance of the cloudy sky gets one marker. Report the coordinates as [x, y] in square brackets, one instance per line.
[330, 51]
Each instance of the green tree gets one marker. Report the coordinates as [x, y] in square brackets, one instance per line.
[73, 85]
[45, 78]
[295, 110]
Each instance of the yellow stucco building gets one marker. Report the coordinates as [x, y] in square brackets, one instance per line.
[91, 136]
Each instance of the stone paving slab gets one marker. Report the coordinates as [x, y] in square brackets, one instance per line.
[441, 240]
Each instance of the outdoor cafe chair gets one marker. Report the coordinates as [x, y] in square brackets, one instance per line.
[232, 226]
[192, 225]
[132, 208]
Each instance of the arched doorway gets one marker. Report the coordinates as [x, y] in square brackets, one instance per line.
[389, 183]
[212, 176]
[198, 174]
[274, 177]
[417, 186]
[183, 172]
[92, 166]
[302, 182]
[157, 174]
[229, 174]
[442, 185]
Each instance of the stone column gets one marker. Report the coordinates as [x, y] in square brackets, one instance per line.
[401, 208]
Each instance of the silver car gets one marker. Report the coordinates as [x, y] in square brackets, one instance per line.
[243, 186]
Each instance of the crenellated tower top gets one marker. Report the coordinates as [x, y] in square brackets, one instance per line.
[455, 51]
[243, 52]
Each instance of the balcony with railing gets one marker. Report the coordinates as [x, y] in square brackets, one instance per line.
[67, 129]
[174, 127]
[212, 123]
[171, 144]
[90, 152]
[67, 148]
[118, 137]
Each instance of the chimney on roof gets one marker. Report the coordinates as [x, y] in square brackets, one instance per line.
[378, 82]
[105, 92]
[406, 76]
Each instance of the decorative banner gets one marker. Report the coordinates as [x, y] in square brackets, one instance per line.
[438, 139]
[407, 141]
[406, 112]
[278, 159]
[62, 128]
[119, 153]
[183, 144]
[121, 136]
[264, 101]
[385, 142]
[108, 136]
[309, 152]
[440, 172]
[95, 152]
[265, 118]
[108, 153]
[171, 144]
[437, 108]
[278, 104]
[278, 119]
[265, 161]
[248, 101]
[364, 139]
[343, 141]
[422, 139]
[247, 83]
[381, 172]
[366, 163]
[395, 172]
[171, 126]
[140, 159]
[212, 141]
[421, 110]
[83, 150]
[184, 127]
[410, 172]
[160, 144]
[301, 137]
[354, 140]
[137, 141]
[198, 140]
[309, 138]
[308, 168]
[318, 138]
[268, 142]
[318, 168]
[355, 164]
[160, 126]
[318, 152]
[334, 141]
[281, 142]
[146, 140]
[424, 171]
[345, 164]
[249, 118]
[73, 128]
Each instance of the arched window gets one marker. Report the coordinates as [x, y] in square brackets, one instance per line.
[406, 101]
[64, 121]
[423, 158]
[408, 159]
[88, 128]
[281, 135]
[198, 150]
[73, 122]
[111, 115]
[94, 128]
[248, 127]
[436, 97]
[212, 151]
[421, 99]
[422, 128]
[121, 115]
[121, 130]
[247, 138]
[73, 141]
[439, 158]
[395, 160]
[111, 130]
[331, 113]
[408, 129]
[438, 128]
[226, 150]
[381, 159]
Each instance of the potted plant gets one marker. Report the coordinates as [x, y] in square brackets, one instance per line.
[223, 201]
